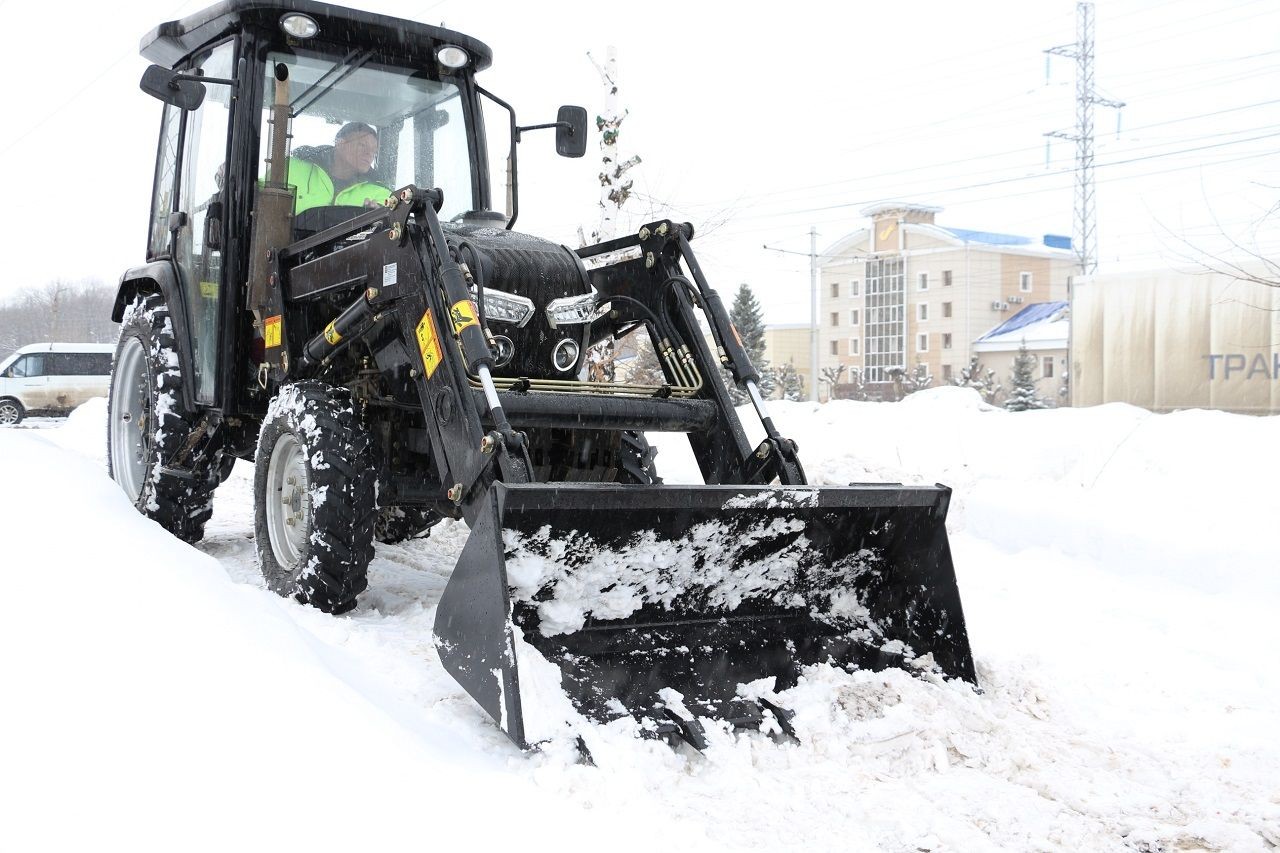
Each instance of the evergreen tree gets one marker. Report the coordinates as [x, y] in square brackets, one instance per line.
[748, 319]
[1022, 392]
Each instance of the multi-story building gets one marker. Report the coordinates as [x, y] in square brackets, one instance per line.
[905, 291]
[788, 343]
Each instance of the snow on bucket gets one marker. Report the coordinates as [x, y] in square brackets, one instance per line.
[587, 601]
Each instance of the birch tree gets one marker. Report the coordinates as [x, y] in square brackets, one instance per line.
[614, 192]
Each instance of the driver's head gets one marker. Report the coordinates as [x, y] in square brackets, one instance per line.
[354, 149]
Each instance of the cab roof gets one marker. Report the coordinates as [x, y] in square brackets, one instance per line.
[172, 41]
[61, 347]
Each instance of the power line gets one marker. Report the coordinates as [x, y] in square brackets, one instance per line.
[1001, 196]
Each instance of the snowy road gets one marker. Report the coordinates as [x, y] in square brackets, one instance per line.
[1119, 579]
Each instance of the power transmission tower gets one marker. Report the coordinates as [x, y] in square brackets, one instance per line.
[1086, 97]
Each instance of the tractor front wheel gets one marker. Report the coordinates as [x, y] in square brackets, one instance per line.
[314, 485]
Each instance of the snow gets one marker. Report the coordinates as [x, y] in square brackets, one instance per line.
[1119, 576]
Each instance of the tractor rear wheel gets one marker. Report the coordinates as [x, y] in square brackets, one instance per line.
[148, 424]
[314, 485]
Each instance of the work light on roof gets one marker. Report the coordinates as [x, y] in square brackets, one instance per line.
[452, 56]
[299, 26]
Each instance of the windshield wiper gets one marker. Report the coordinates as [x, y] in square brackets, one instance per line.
[351, 62]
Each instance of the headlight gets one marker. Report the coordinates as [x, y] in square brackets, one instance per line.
[565, 355]
[507, 307]
[299, 26]
[452, 56]
[575, 309]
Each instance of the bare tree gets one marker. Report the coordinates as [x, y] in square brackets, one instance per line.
[614, 192]
[1244, 263]
[61, 310]
[644, 368]
[982, 379]
[832, 376]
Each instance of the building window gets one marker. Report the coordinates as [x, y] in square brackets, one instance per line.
[835, 318]
[1048, 367]
[946, 340]
[946, 373]
[853, 317]
[885, 328]
[946, 309]
[922, 311]
[835, 347]
[923, 280]
[853, 346]
[922, 343]
[835, 289]
[853, 288]
[1024, 282]
[946, 278]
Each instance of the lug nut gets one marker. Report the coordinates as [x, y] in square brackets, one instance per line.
[648, 260]
[645, 233]
[455, 493]
[662, 230]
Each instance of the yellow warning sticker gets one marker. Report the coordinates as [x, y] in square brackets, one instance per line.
[429, 344]
[271, 330]
[209, 289]
[331, 334]
[463, 314]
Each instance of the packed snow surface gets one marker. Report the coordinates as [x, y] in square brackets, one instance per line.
[1120, 579]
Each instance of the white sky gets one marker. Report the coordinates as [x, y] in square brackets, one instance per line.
[754, 121]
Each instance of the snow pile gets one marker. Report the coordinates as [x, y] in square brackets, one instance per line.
[717, 565]
[1119, 580]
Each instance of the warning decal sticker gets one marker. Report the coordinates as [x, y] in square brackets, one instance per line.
[428, 344]
[271, 331]
[463, 314]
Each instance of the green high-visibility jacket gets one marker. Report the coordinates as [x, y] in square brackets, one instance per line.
[315, 188]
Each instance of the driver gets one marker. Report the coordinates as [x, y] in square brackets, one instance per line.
[338, 174]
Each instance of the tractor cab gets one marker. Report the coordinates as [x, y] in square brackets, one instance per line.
[338, 107]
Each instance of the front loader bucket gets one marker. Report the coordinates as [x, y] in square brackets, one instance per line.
[601, 600]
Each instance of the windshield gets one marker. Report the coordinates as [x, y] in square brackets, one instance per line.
[362, 128]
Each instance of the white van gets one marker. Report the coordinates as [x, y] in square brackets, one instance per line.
[52, 378]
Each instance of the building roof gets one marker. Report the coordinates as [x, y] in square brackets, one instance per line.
[1052, 245]
[1040, 324]
[988, 237]
[885, 206]
[991, 238]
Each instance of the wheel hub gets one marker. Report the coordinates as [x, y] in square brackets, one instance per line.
[288, 501]
[128, 441]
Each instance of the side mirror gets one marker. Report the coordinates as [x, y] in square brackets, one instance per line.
[571, 131]
[172, 87]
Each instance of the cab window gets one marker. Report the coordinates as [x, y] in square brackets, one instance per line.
[28, 366]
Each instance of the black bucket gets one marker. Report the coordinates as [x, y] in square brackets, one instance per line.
[633, 592]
